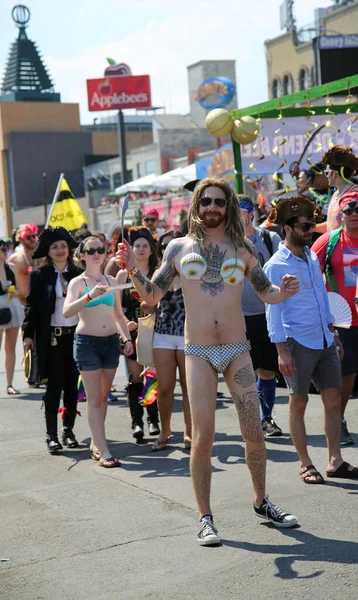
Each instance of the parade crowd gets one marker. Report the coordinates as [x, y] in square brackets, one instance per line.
[228, 294]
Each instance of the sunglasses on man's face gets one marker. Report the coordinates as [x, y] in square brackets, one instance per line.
[205, 201]
[92, 251]
[32, 237]
[306, 227]
[150, 219]
[352, 207]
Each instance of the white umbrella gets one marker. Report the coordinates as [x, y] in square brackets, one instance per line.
[176, 178]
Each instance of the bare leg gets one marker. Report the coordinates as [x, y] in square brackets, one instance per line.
[202, 381]
[346, 391]
[296, 413]
[92, 382]
[10, 353]
[332, 425]
[180, 356]
[241, 381]
[166, 366]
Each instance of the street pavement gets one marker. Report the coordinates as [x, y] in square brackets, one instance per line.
[74, 531]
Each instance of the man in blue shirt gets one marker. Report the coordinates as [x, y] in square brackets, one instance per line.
[306, 342]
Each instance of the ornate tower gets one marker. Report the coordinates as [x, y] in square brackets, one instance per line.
[26, 77]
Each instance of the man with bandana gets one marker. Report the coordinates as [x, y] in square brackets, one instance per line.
[263, 351]
[338, 255]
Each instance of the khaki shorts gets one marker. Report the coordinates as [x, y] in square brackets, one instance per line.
[321, 367]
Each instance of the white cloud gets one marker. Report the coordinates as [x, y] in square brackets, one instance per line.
[163, 48]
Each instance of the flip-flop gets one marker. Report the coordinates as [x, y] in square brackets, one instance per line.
[11, 391]
[159, 445]
[112, 462]
[187, 444]
[311, 471]
[343, 472]
[95, 456]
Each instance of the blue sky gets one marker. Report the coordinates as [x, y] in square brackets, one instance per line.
[158, 37]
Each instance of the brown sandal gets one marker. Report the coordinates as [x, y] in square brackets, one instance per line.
[311, 471]
[95, 455]
[11, 391]
[109, 463]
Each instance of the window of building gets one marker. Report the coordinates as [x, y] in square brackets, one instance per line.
[276, 88]
[139, 170]
[150, 167]
[287, 84]
[303, 79]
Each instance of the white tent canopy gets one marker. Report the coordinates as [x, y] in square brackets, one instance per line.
[176, 178]
[173, 179]
[138, 185]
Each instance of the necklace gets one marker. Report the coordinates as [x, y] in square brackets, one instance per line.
[96, 280]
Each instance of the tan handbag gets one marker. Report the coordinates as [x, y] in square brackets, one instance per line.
[144, 342]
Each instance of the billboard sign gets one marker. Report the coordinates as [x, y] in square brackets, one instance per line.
[117, 93]
[215, 92]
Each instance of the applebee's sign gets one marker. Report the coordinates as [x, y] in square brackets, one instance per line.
[110, 93]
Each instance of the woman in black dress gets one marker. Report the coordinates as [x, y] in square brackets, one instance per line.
[49, 335]
[144, 248]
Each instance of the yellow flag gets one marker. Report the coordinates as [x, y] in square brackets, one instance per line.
[67, 212]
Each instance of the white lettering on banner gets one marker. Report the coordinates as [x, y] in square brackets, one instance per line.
[118, 100]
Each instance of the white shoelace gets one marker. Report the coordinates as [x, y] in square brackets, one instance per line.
[275, 510]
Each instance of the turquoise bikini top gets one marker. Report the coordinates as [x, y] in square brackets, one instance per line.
[109, 300]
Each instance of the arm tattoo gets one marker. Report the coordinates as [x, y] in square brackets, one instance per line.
[258, 279]
[164, 276]
[248, 411]
[245, 376]
[145, 282]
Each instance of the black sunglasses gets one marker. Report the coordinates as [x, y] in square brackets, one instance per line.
[32, 237]
[92, 251]
[150, 219]
[205, 201]
[352, 208]
[306, 227]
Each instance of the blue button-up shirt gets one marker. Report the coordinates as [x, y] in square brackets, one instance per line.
[306, 316]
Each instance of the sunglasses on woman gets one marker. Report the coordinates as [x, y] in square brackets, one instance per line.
[150, 219]
[92, 251]
[352, 207]
[306, 227]
[205, 201]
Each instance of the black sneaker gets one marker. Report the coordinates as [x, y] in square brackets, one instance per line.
[271, 512]
[346, 438]
[270, 428]
[207, 533]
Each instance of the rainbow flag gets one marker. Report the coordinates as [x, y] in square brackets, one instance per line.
[150, 387]
[81, 394]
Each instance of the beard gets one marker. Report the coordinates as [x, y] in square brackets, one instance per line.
[212, 220]
[301, 240]
[29, 245]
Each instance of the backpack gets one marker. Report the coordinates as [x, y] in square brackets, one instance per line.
[267, 239]
[334, 238]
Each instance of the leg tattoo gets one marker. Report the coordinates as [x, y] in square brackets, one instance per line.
[245, 377]
[256, 461]
[249, 416]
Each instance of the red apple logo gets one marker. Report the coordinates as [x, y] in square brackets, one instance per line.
[117, 70]
[105, 88]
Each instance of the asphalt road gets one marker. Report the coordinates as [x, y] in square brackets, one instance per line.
[72, 530]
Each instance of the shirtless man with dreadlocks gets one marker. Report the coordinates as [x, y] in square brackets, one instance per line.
[212, 260]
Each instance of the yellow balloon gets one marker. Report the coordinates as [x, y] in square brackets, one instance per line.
[245, 130]
[219, 123]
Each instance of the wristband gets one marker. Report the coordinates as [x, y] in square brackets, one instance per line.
[126, 342]
[88, 298]
[133, 271]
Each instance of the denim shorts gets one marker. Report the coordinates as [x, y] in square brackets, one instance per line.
[92, 352]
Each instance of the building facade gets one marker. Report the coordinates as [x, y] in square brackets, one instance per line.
[291, 58]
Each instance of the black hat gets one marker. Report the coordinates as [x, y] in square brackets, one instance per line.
[191, 185]
[140, 232]
[49, 236]
[297, 206]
